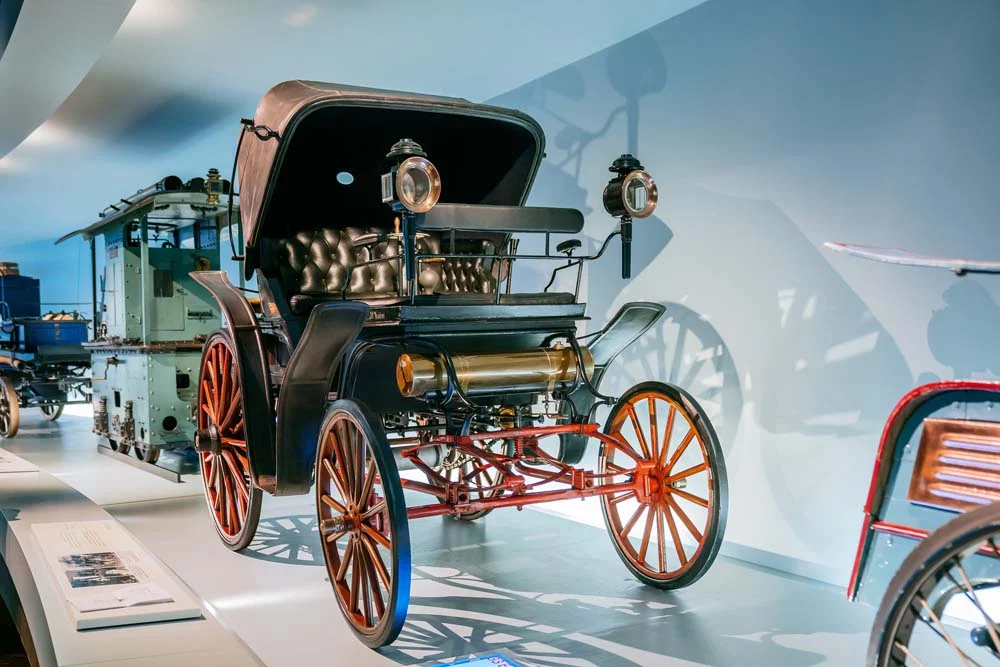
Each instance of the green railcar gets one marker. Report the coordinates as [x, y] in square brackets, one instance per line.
[152, 317]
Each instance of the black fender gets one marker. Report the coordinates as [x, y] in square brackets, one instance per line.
[629, 323]
[241, 322]
[305, 390]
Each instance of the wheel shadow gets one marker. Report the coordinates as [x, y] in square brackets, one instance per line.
[291, 539]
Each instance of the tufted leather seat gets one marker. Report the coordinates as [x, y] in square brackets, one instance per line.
[316, 263]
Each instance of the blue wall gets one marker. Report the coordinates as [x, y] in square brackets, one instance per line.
[772, 126]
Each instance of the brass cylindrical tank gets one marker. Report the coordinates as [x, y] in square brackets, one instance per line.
[531, 370]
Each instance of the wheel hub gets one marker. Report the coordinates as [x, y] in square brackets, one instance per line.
[208, 440]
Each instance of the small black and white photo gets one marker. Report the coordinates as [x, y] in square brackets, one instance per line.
[97, 559]
[100, 576]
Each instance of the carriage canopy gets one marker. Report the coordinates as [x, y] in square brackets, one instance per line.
[325, 162]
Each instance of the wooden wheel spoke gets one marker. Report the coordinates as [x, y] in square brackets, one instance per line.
[235, 406]
[333, 503]
[208, 406]
[348, 555]
[625, 496]
[373, 511]
[667, 433]
[661, 543]
[693, 470]
[681, 555]
[354, 602]
[376, 559]
[685, 519]
[690, 497]
[638, 431]
[943, 632]
[377, 536]
[627, 528]
[345, 457]
[364, 580]
[333, 537]
[654, 441]
[646, 534]
[680, 450]
[368, 485]
[337, 481]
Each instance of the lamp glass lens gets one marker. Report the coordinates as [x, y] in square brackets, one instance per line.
[636, 195]
[415, 187]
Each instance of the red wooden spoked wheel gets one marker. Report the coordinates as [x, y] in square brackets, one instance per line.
[669, 528]
[10, 408]
[362, 522]
[233, 500]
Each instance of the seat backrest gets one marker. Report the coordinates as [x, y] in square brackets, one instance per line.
[318, 262]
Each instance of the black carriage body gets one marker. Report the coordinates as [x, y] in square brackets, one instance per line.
[320, 242]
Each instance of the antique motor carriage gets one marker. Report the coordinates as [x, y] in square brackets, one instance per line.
[382, 229]
[42, 360]
[928, 555]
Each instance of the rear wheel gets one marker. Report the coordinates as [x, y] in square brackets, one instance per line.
[363, 523]
[669, 528]
[10, 408]
[52, 412]
[457, 466]
[233, 500]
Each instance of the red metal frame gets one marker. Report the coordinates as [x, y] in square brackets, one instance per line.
[522, 473]
[897, 419]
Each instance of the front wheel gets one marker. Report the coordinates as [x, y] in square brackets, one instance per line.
[362, 522]
[914, 624]
[10, 408]
[52, 412]
[668, 528]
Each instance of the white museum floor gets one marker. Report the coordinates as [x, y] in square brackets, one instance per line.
[538, 587]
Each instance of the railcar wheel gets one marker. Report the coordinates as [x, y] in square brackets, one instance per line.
[958, 560]
[362, 522]
[147, 453]
[52, 412]
[10, 408]
[670, 449]
[233, 500]
[120, 447]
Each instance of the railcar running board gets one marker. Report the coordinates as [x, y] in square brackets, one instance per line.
[171, 474]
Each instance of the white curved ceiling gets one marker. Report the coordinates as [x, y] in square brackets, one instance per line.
[168, 89]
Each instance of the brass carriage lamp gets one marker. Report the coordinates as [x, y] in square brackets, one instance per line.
[412, 187]
[213, 185]
[413, 183]
[630, 194]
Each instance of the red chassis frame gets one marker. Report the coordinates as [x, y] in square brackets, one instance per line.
[516, 470]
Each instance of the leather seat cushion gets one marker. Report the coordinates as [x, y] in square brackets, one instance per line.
[320, 261]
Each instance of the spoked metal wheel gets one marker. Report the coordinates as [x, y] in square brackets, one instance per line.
[10, 408]
[942, 607]
[669, 529]
[233, 500]
[147, 453]
[457, 466]
[52, 412]
[362, 522]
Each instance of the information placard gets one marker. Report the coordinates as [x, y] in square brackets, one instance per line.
[107, 578]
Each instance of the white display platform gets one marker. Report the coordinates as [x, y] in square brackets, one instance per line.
[26, 582]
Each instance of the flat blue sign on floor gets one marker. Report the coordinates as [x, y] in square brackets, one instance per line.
[491, 660]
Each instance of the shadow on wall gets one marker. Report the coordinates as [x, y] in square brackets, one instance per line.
[770, 128]
[968, 309]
